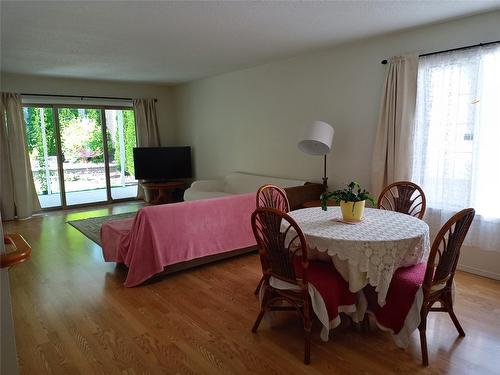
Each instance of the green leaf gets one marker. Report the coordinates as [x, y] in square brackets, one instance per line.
[347, 195]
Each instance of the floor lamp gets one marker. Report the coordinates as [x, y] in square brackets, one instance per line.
[318, 141]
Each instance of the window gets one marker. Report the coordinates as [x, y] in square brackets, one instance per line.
[81, 154]
[457, 130]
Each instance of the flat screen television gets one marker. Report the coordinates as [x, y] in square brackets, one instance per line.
[162, 163]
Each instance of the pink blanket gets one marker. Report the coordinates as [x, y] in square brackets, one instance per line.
[168, 234]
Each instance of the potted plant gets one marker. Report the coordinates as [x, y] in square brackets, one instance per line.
[352, 201]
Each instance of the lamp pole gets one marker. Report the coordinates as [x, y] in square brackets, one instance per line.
[325, 179]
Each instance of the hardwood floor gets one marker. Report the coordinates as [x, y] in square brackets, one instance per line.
[73, 316]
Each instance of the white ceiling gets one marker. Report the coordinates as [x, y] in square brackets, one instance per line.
[169, 42]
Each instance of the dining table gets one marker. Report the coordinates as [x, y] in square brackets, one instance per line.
[367, 252]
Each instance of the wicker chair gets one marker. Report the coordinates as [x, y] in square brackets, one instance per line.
[277, 258]
[436, 278]
[288, 272]
[441, 266]
[405, 197]
[271, 196]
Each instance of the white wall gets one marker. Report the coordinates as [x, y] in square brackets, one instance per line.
[251, 120]
[62, 86]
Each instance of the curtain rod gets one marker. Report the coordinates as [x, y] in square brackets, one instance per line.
[451, 50]
[81, 96]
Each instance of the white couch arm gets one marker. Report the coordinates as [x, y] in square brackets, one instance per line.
[204, 189]
[208, 185]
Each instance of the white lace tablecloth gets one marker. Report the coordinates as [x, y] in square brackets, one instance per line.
[369, 251]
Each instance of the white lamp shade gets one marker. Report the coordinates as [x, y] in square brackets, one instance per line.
[318, 139]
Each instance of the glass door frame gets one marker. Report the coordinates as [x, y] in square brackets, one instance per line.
[60, 169]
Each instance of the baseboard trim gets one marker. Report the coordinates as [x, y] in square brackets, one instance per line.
[478, 271]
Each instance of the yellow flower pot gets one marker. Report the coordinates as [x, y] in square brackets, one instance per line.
[352, 211]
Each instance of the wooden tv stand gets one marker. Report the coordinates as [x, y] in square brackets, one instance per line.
[162, 192]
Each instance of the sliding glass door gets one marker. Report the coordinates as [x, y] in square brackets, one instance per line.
[121, 140]
[42, 148]
[81, 155]
[83, 165]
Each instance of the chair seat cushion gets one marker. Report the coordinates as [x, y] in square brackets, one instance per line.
[404, 286]
[329, 283]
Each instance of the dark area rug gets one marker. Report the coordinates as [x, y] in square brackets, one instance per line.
[91, 227]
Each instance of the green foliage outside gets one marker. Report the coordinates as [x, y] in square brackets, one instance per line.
[95, 142]
[81, 138]
[81, 135]
[130, 143]
[34, 130]
[33, 118]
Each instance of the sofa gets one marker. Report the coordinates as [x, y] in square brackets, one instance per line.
[298, 191]
[171, 237]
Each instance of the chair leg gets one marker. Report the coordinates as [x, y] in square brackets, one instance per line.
[423, 341]
[257, 322]
[263, 307]
[307, 348]
[259, 285]
[307, 333]
[448, 301]
[455, 321]
[366, 323]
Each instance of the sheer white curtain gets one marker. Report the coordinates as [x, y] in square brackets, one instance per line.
[456, 156]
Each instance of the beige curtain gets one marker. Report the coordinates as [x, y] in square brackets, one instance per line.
[18, 196]
[146, 125]
[392, 152]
